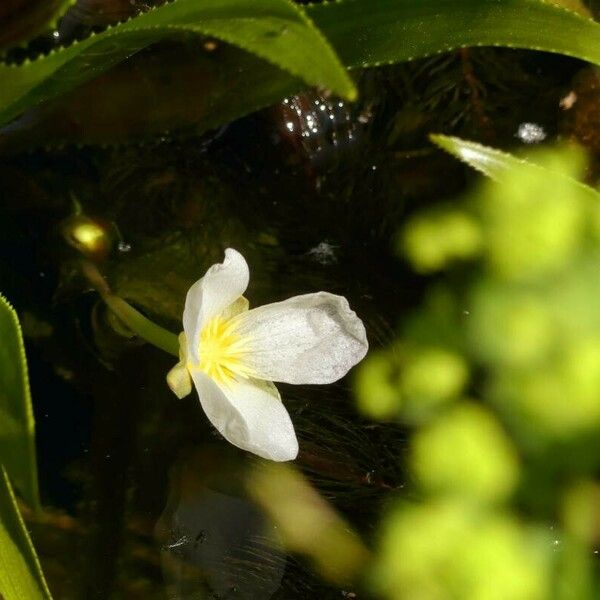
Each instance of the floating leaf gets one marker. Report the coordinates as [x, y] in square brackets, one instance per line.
[21, 576]
[17, 428]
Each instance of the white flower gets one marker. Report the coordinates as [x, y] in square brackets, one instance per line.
[233, 355]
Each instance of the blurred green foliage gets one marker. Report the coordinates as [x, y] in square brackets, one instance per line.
[497, 374]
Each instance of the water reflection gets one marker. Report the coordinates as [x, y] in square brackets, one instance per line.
[214, 542]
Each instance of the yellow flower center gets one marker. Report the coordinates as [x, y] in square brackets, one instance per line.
[222, 351]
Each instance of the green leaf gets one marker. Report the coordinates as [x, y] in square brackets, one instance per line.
[17, 427]
[499, 165]
[206, 90]
[275, 30]
[21, 576]
[368, 33]
[21, 20]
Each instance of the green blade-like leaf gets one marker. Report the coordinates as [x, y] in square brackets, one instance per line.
[21, 576]
[363, 32]
[275, 30]
[376, 32]
[17, 427]
[497, 164]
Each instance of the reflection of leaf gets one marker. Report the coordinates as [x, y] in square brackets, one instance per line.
[275, 30]
[20, 574]
[176, 89]
[229, 83]
[498, 165]
[21, 20]
[17, 445]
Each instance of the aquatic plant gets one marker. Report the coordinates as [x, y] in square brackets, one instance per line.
[492, 381]
[276, 44]
[233, 354]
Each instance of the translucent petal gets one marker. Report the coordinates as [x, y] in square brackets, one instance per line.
[239, 306]
[315, 338]
[222, 285]
[249, 414]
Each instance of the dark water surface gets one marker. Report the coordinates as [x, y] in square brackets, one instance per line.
[143, 499]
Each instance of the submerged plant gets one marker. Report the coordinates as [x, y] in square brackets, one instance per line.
[232, 354]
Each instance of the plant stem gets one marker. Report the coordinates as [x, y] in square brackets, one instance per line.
[133, 319]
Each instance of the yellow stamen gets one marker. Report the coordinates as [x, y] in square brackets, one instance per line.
[222, 351]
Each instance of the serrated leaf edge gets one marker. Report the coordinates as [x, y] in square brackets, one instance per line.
[41, 579]
[24, 373]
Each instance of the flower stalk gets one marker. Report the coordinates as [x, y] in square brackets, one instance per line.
[134, 320]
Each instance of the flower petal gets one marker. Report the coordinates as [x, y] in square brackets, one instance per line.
[315, 338]
[249, 414]
[239, 306]
[179, 380]
[221, 285]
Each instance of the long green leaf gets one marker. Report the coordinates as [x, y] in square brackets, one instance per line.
[276, 30]
[376, 32]
[21, 576]
[17, 427]
[498, 165]
[363, 32]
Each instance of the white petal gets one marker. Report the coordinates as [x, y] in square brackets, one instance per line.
[222, 285]
[315, 338]
[249, 414]
[239, 306]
